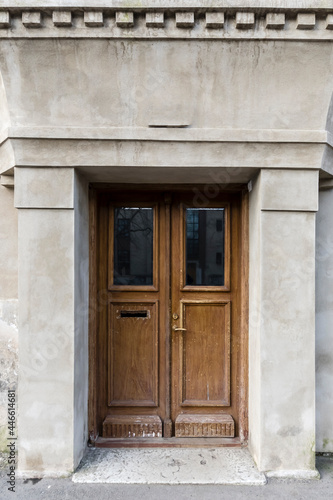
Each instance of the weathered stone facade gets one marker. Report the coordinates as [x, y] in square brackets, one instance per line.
[218, 92]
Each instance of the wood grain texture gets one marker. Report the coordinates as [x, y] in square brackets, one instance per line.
[205, 346]
[173, 442]
[132, 426]
[244, 319]
[93, 318]
[205, 426]
[201, 376]
[133, 354]
[218, 315]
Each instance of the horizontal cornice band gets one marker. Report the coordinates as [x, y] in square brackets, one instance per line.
[166, 20]
[165, 134]
[254, 5]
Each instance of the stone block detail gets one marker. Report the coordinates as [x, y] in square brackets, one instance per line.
[214, 19]
[275, 20]
[306, 21]
[212, 23]
[245, 20]
[125, 19]
[93, 19]
[132, 426]
[32, 19]
[4, 19]
[62, 18]
[184, 19]
[154, 19]
[204, 426]
[329, 22]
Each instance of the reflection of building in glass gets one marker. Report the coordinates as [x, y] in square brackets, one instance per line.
[133, 246]
[204, 246]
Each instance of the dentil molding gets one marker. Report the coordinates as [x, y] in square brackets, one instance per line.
[163, 19]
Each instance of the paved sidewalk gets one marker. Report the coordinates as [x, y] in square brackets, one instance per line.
[284, 489]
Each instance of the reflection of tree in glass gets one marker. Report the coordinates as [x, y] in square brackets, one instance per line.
[204, 246]
[138, 220]
[133, 246]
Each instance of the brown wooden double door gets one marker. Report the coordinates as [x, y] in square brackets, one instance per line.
[168, 348]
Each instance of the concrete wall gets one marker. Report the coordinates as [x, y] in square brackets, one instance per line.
[122, 83]
[81, 314]
[8, 305]
[91, 103]
[324, 322]
[53, 280]
[255, 318]
[282, 321]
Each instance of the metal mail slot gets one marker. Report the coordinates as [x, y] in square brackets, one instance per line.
[134, 314]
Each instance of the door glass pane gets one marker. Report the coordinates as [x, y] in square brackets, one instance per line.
[133, 246]
[205, 230]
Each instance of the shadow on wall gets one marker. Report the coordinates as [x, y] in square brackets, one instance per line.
[8, 362]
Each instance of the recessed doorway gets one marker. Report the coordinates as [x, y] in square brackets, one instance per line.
[168, 339]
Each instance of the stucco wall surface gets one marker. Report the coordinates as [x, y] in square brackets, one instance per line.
[8, 305]
[282, 320]
[98, 104]
[324, 323]
[53, 280]
[118, 83]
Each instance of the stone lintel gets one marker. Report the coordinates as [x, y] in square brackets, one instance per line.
[75, 153]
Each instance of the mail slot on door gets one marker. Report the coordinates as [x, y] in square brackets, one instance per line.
[134, 314]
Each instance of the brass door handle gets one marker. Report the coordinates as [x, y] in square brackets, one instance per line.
[176, 329]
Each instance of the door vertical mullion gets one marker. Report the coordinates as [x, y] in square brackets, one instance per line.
[166, 265]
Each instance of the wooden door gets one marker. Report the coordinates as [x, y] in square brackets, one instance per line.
[168, 348]
[138, 282]
[201, 319]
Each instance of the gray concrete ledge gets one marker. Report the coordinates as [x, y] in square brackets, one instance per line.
[201, 21]
[322, 5]
[168, 134]
[169, 466]
[294, 474]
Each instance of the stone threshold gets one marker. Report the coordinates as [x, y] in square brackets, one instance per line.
[229, 466]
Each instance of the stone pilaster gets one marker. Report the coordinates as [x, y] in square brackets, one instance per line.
[283, 205]
[53, 320]
[324, 319]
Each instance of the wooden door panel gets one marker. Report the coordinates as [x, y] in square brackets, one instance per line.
[132, 426]
[203, 284]
[169, 311]
[205, 358]
[133, 357]
[202, 425]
